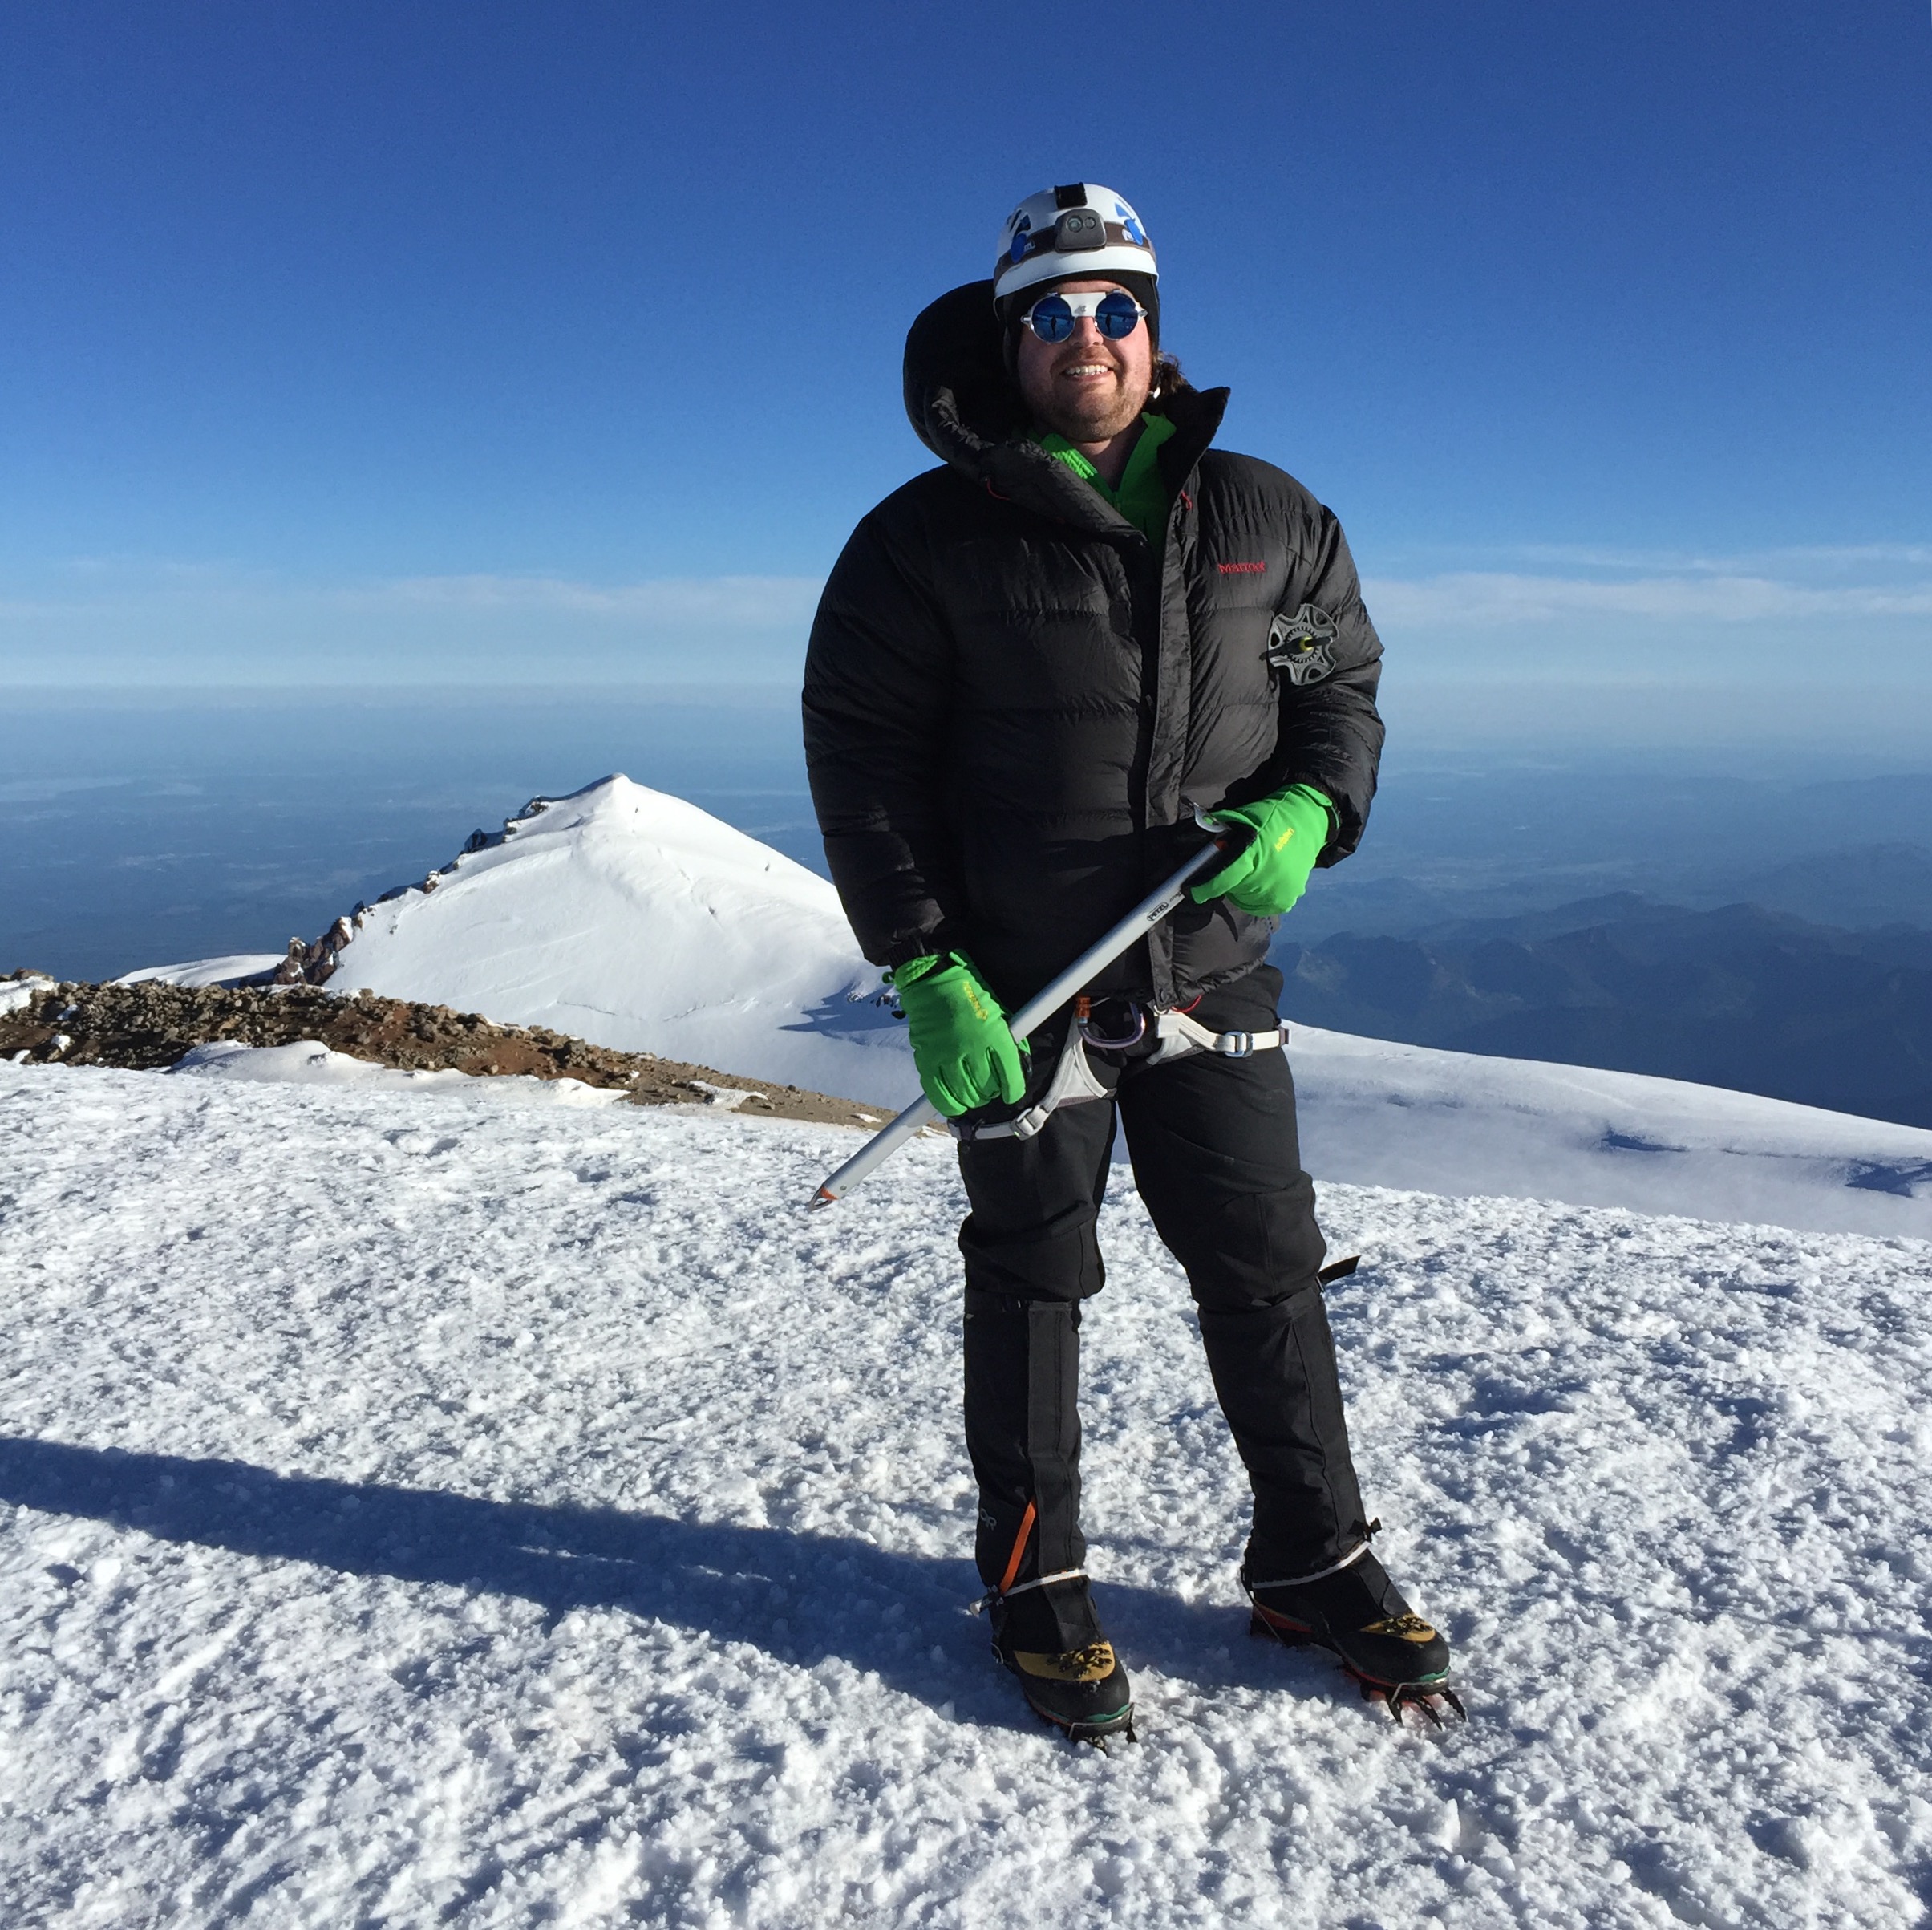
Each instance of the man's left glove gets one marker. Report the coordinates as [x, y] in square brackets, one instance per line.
[1269, 873]
[965, 1051]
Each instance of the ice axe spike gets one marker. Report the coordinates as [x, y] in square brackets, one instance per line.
[1037, 1009]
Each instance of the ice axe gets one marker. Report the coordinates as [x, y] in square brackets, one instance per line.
[1037, 1009]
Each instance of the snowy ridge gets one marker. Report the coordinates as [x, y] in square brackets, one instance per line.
[418, 1514]
[235, 969]
[633, 919]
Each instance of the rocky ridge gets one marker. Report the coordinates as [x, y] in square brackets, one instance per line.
[149, 1026]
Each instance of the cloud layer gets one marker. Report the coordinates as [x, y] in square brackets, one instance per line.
[103, 620]
[1586, 616]
[1469, 597]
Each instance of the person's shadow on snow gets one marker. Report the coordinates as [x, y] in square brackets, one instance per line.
[800, 1597]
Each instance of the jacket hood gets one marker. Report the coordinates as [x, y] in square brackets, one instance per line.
[957, 391]
[963, 406]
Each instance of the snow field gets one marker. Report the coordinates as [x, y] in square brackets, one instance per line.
[627, 917]
[416, 1508]
[1378, 1113]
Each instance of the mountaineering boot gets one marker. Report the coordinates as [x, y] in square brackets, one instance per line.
[1358, 1614]
[1083, 1692]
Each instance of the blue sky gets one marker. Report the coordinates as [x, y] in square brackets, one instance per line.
[561, 344]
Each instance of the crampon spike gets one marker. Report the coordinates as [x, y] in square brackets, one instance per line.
[1094, 1735]
[1423, 1697]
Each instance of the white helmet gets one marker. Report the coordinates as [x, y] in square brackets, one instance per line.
[1084, 230]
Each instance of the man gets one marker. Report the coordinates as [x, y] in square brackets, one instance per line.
[1031, 668]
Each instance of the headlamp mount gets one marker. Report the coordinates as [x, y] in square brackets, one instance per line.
[1079, 228]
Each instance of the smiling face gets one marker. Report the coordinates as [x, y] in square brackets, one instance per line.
[1088, 388]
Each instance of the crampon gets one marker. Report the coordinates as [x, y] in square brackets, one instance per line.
[1432, 1700]
[1355, 1611]
[1100, 1736]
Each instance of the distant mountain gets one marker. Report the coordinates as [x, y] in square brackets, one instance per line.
[632, 919]
[1740, 996]
[1863, 886]
[1857, 887]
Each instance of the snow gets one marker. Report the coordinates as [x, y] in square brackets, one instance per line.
[1383, 1114]
[627, 917]
[1411, 1118]
[309, 1062]
[412, 1511]
[16, 995]
[228, 970]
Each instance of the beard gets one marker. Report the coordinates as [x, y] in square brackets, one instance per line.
[1095, 416]
[1088, 412]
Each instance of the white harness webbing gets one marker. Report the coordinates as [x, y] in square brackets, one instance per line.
[1074, 1080]
[1176, 1025]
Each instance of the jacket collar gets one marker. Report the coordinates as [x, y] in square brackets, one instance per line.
[963, 407]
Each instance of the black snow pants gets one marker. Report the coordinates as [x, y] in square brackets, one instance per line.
[1216, 1159]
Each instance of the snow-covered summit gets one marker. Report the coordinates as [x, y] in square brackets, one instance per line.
[633, 919]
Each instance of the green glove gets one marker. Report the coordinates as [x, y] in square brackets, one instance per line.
[1269, 873]
[965, 1053]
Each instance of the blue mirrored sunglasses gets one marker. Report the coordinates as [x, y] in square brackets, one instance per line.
[1115, 314]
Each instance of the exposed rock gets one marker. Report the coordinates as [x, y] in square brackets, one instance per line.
[149, 1026]
[312, 964]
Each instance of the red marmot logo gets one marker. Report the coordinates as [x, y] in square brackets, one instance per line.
[1241, 568]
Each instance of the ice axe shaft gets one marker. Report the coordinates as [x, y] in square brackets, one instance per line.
[1036, 1011]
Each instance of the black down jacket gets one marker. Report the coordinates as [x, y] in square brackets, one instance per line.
[1012, 705]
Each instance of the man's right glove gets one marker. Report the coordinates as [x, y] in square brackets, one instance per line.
[965, 1054]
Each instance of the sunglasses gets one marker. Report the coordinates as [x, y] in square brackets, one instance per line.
[1115, 314]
